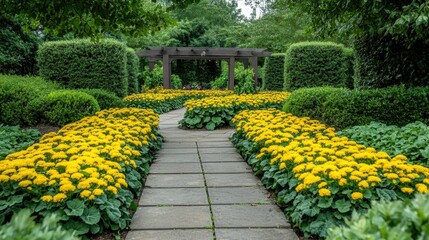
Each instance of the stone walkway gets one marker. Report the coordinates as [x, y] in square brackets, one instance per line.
[200, 188]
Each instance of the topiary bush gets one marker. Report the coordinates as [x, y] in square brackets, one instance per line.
[406, 220]
[86, 64]
[133, 71]
[382, 61]
[308, 102]
[104, 98]
[344, 108]
[23, 227]
[15, 94]
[350, 57]
[65, 106]
[315, 64]
[274, 72]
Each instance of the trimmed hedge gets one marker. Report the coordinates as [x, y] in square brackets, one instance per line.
[133, 71]
[274, 72]
[64, 106]
[104, 98]
[382, 62]
[15, 94]
[86, 64]
[343, 108]
[350, 57]
[315, 64]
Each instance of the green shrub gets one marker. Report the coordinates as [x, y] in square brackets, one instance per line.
[86, 64]
[405, 220]
[104, 98]
[155, 78]
[349, 55]
[23, 227]
[274, 72]
[315, 64]
[411, 140]
[13, 139]
[344, 108]
[133, 71]
[243, 80]
[393, 106]
[381, 61]
[308, 102]
[15, 94]
[17, 49]
[62, 107]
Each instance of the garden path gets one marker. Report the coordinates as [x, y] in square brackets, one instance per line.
[200, 188]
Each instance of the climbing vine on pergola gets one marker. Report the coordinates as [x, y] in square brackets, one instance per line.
[168, 54]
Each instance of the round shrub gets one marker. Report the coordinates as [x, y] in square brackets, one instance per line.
[315, 64]
[61, 107]
[104, 98]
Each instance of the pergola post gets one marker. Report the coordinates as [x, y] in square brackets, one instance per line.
[151, 64]
[231, 65]
[255, 70]
[246, 63]
[167, 70]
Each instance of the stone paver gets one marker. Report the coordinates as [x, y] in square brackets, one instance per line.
[174, 180]
[180, 201]
[239, 195]
[239, 216]
[171, 217]
[177, 234]
[173, 196]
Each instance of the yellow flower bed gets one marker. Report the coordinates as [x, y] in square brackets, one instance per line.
[302, 158]
[84, 160]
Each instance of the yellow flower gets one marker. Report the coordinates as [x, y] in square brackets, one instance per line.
[25, 183]
[59, 197]
[357, 195]
[4, 178]
[85, 194]
[112, 189]
[363, 184]
[322, 184]
[97, 192]
[421, 188]
[324, 192]
[282, 165]
[46, 198]
[407, 190]
[67, 188]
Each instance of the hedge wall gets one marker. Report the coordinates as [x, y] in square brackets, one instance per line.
[274, 72]
[382, 61]
[344, 108]
[313, 64]
[133, 71]
[86, 64]
[350, 58]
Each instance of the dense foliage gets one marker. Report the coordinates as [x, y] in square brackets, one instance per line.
[61, 107]
[133, 65]
[87, 173]
[155, 78]
[13, 139]
[407, 220]
[23, 227]
[85, 64]
[343, 108]
[17, 49]
[314, 64]
[411, 140]
[274, 72]
[15, 94]
[105, 99]
[319, 177]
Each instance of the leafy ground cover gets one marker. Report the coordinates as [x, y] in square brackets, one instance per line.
[13, 139]
[213, 112]
[320, 177]
[164, 100]
[87, 173]
[411, 140]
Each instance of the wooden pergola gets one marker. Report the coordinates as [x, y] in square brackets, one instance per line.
[168, 54]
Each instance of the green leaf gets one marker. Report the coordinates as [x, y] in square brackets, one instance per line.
[3, 205]
[217, 120]
[75, 207]
[210, 126]
[113, 213]
[342, 205]
[95, 228]
[325, 202]
[91, 215]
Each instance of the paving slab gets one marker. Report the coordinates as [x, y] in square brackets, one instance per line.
[174, 180]
[191, 150]
[256, 234]
[226, 167]
[232, 180]
[222, 144]
[217, 150]
[233, 216]
[161, 167]
[171, 217]
[177, 234]
[239, 195]
[180, 145]
[173, 196]
[161, 157]
[220, 157]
